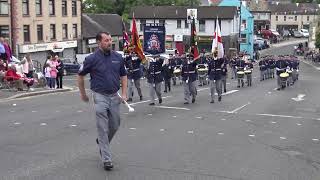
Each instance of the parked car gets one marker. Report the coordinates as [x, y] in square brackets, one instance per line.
[304, 32]
[297, 34]
[70, 66]
[261, 43]
[274, 32]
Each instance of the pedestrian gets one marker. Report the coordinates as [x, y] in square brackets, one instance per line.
[107, 69]
[215, 71]
[47, 74]
[60, 68]
[53, 72]
[155, 78]
[189, 77]
[132, 63]
[28, 66]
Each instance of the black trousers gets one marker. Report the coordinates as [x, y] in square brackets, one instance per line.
[59, 81]
[167, 84]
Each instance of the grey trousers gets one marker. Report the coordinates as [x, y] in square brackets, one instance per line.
[271, 73]
[278, 81]
[249, 79]
[224, 82]
[189, 89]
[107, 121]
[263, 75]
[155, 89]
[215, 85]
[136, 84]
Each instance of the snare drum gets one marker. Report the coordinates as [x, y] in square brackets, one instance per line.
[240, 74]
[247, 72]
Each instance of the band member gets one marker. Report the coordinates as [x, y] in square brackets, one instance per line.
[240, 64]
[155, 78]
[202, 69]
[281, 66]
[215, 72]
[132, 63]
[263, 69]
[224, 73]
[248, 72]
[189, 77]
[167, 73]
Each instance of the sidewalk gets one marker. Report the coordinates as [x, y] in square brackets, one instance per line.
[289, 42]
[316, 65]
[7, 94]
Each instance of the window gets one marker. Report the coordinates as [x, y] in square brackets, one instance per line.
[284, 18]
[26, 33]
[308, 18]
[162, 22]
[38, 7]
[25, 7]
[4, 7]
[202, 25]
[65, 31]
[243, 38]
[64, 8]
[178, 24]
[74, 7]
[276, 18]
[51, 8]
[52, 31]
[75, 30]
[186, 25]
[243, 24]
[40, 32]
[295, 18]
[142, 23]
[4, 31]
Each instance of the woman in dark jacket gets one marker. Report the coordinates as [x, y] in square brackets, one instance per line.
[60, 69]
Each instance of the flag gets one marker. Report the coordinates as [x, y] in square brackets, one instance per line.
[194, 47]
[217, 41]
[125, 36]
[135, 41]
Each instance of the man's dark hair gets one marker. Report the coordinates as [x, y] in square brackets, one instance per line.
[99, 35]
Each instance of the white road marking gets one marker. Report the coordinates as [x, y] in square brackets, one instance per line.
[17, 123]
[220, 133]
[161, 130]
[14, 104]
[248, 120]
[73, 125]
[190, 132]
[199, 117]
[168, 107]
[57, 111]
[149, 114]
[269, 92]
[43, 124]
[273, 122]
[275, 89]
[299, 97]
[239, 108]
[278, 115]
[299, 124]
[125, 113]
[174, 116]
[202, 89]
[79, 111]
[132, 128]
[315, 139]
[283, 138]
[141, 102]
[33, 111]
[223, 119]
[12, 111]
[228, 83]
[252, 135]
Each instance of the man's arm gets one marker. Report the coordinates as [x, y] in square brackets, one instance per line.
[124, 85]
[82, 90]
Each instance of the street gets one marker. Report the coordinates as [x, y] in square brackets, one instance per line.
[255, 133]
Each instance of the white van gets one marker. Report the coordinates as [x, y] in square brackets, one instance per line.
[304, 32]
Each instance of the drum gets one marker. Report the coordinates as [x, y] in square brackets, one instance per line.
[177, 72]
[247, 72]
[240, 74]
[202, 72]
[284, 75]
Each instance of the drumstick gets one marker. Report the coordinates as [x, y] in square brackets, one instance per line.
[131, 109]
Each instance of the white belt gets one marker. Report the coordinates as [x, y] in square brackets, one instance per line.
[190, 72]
[156, 72]
[136, 70]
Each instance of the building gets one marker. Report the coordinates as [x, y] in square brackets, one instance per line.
[293, 16]
[178, 28]
[94, 23]
[41, 27]
[247, 23]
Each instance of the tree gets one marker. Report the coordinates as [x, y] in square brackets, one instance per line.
[317, 44]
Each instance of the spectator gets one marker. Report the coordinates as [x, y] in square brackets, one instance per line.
[3, 68]
[60, 69]
[28, 66]
[2, 49]
[53, 72]
[11, 75]
[8, 50]
[46, 72]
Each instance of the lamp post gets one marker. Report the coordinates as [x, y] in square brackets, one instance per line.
[240, 22]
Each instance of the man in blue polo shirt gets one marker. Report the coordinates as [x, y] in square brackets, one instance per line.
[106, 68]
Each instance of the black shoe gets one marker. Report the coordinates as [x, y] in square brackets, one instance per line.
[212, 101]
[107, 166]
[141, 98]
[97, 141]
[151, 104]
[219, 99]
[278, 89]
[186, 103]
[129, 100]
[238, 86]
[225, 91]
[160, 100]
[200, 84]
[193, 100]
[165, 91]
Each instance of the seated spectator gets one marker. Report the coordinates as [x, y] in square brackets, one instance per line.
[11, 75]
[3, 67]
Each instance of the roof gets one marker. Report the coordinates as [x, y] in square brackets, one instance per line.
[180, 12]
[290, 8]
[111, 23]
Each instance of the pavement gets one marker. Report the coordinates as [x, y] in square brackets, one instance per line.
[255, 133]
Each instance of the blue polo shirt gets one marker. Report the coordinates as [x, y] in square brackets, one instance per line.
[105, 71]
